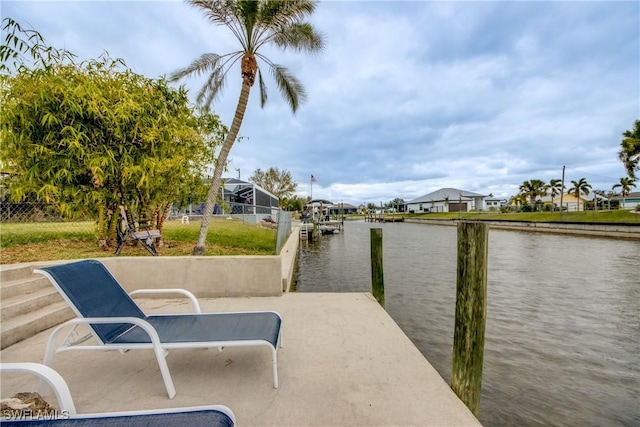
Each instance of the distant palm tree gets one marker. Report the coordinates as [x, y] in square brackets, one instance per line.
[255, 24]
[580, 187]
[610, 195]
[556, 187]
[532, 189]
[629, 152]
[625, 186]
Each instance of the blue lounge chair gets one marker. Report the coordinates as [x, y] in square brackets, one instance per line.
[117, 323]
[66, 415]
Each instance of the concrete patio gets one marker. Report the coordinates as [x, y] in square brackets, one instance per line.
[345, 362]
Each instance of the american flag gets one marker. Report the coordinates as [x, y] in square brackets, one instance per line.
[313, 179]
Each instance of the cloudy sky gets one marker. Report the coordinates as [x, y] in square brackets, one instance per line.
[408, 97]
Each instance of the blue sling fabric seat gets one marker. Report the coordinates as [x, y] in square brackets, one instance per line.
[211, 415]
[191, 418]
[118, 323]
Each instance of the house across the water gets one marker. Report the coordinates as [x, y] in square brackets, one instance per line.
[448, 200]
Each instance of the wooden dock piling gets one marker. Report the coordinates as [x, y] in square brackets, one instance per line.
[377, 271]
[471, 313]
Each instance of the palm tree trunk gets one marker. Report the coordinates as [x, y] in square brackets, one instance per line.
[221, 163]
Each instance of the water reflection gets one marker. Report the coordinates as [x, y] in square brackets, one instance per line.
[562, 344]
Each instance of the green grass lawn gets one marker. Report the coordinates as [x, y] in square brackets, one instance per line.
[72, 240]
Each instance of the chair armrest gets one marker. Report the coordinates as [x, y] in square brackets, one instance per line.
[184, 292]
[159, 351]
[51, 377]
[146, 326]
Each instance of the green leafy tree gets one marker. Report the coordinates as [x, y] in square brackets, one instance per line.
[625, 185]
[277, 182]
[518, 200]
[87, 137]
[579, 188]
[294, 203]
[533, 189]
[630, 150]
[256, 25]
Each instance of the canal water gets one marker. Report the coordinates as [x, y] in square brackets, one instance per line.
[562, 344]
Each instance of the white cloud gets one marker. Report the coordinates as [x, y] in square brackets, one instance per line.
[408, 96]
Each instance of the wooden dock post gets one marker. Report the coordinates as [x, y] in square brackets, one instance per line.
[471, 313]
[377, 271]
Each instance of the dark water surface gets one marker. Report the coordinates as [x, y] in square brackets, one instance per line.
[562, 342]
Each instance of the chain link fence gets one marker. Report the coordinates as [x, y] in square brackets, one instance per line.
[284, 228]
[17, 221]
[36, 212]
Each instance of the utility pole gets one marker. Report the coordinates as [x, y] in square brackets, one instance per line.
[562, 192]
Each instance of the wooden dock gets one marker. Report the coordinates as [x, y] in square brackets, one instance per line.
[330, 227]
[381, 217]
[311, 231]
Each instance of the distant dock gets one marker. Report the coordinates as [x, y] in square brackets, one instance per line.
[383, 217]
[311, 231]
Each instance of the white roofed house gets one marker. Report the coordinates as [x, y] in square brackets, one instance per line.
[494, 203]
[447, 200]
[630, 201]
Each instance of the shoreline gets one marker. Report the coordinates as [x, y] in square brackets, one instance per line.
[608, 230]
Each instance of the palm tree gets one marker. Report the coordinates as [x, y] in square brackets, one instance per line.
[532, 189]
[630, 150]
[556, 187]
[625, 186]
[580, 187]
[610, 194]
[255, 25]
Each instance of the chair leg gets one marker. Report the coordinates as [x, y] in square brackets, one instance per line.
[164, 370]
[119, 248]
[150, 247]
[49, 353]
[274, 362]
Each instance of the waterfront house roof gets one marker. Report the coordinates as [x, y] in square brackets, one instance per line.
[630, 196]
[233, 185]
[449, 194]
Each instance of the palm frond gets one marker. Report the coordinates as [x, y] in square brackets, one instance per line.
[219, 12]
[218, 67]
[300, 37]
[223, 12]
[263, 89]
[290, 87]
[207, 62]
[211, 89]
[279, 13]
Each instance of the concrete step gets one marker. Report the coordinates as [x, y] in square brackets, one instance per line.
[9, 272]
[24, 286]
[28, 302]
[27, 325]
